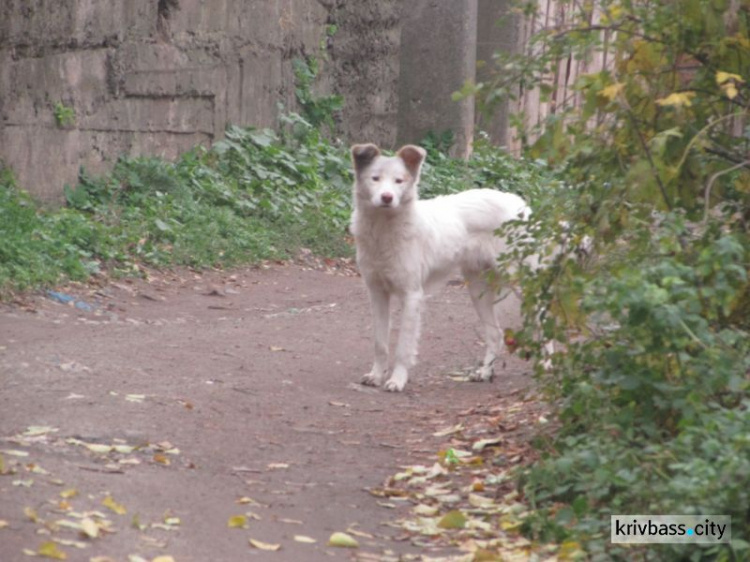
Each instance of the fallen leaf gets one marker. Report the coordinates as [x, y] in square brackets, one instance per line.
[161, 458]
[290, 521]
[425, 510]
[276, 348]
[352, 531]
[114, 506]
[449, 430]
[136, 523]
[3, 523]
[101, 559]
[452, 520]
[97, 448]
[23, 483]
[71, 542]
[245, 500]
[15, 453]
[174, 521]
[31, 513]
[89, 527]
[163, 559]
[137, 398]
[51, 550]
[70, 493]
[343, 540]
[237, 522]
[277, 466]
[304, 539]
[480, 501]
[480, 445]
[36, 430]
[260, 545]
[124, 449]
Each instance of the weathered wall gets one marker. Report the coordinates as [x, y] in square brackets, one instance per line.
[498, 29]
[366, 68]
[157, 77]
[438, 55]
[144, 76]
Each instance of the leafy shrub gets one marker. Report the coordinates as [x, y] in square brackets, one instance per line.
[653, 388]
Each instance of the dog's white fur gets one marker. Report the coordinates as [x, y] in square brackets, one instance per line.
[405, 246]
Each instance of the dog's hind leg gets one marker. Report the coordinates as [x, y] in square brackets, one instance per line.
[483, 298]
[408, 340]
[380, 303]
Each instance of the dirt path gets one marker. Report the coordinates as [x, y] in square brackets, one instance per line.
[229, 386]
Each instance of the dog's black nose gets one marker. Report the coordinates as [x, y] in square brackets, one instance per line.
[387, 198]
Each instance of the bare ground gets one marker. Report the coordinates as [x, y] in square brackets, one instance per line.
[229, 386]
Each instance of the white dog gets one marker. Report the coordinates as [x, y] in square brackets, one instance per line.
[405, 246]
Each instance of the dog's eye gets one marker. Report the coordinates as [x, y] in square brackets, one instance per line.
[399, 180]
[375, 178]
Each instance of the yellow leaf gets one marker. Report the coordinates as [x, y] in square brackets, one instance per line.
[51, 550]
[260, 545]
[730, 90]
[343, 540]
[304, 539]
[570, 550]
[723, 77]
[452, 520]
[612, 91]
[244, 500]
[3, 523]
[677, 99]
[70, 493]
[114, 506]
[30, 512]
[89, 527]
[163, 559]
[237, 522]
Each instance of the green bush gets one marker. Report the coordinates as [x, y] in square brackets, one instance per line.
[652, 389]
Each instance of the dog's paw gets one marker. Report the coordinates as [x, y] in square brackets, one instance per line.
[398, 379]
[394, 385]
[372, 379]
[482, 374]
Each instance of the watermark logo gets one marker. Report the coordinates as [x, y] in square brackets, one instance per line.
[674, 529]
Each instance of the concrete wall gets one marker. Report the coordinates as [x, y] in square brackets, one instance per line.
[498, 29]
[438, 55]
[157, 77]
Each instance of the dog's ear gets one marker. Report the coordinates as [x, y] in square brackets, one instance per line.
[363, 155]
[413, 156]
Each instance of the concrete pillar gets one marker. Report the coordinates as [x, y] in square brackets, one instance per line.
[438, 54]
[498, 30]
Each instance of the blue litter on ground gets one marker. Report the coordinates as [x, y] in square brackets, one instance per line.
[63, 298]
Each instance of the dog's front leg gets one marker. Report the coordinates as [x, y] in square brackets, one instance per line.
[408, 339]
[380, 302]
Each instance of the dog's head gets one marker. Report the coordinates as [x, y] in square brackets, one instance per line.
[383, 181]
